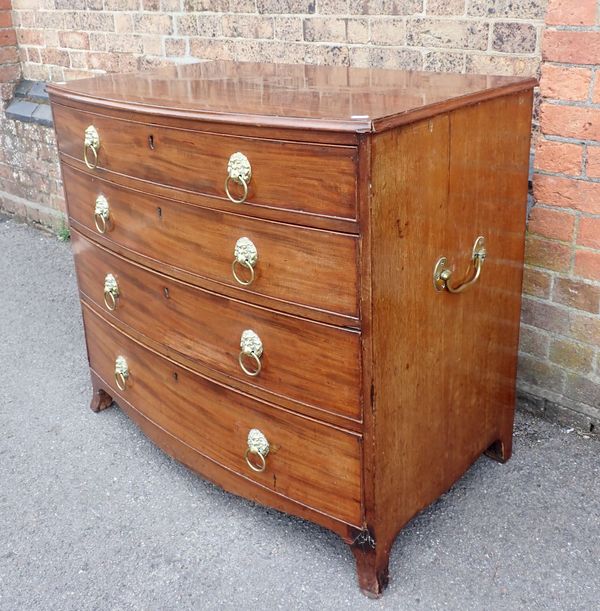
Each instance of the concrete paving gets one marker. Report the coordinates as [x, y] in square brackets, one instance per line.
[93, 516]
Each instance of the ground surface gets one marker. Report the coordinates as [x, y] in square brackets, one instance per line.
[93, 516]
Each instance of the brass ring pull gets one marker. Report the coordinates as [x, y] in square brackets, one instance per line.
[101, 214]
[246, 255]
[250, 345]
[121, 373]
[240, 181]
[442, 274]
[100, 223]
[111, 292]
[240, 171]
[245, 369]
[91, 142]
[258, 446]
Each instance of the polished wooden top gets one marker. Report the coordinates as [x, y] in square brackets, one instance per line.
[292, 96]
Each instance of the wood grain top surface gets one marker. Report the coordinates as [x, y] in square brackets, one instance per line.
[290, 96]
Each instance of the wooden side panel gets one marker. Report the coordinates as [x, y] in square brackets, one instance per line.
[444, 364]
[308, 462]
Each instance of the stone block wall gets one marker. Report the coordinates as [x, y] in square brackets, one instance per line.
[557, 40]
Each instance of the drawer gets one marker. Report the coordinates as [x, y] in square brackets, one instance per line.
[315, 179]
[313, 463]
[311, 267]
[311, 363]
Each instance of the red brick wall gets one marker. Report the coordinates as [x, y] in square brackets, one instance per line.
[10, 69]
[560, 361]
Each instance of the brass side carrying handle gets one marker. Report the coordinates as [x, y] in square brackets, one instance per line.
[111, 292]
[250, 346]
[442, 274]
[244, 255]
[101, 214]
[91, 142]
[258, 446]
[121, 372]
[239, 171]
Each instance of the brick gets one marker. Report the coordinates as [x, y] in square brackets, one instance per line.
[175, 47]
[565, 83]
[386, 57]
[187, 25]
[152, 45]
[480, 63]
[447, 33]
[577, 294]
[571, 121]
[123, 23]
[571, 355]
[332, 7]
[571, 47]
[593, 162]
[559, 157]
[56, 57]
[7, 37]
[544, 315]
[514, 38]
[388, 31]
[209, 25]
[357, 30]
[10, 72]
[74, 40]
[9, 55]
[446, 7]
[191, 6]
[148, 23]
[324, 29]
[5, 19]
[567, 193]
[547, 254]
[150, 5]
[247, 26]
[568, 12]
[386, 7]
[521, 9]
[124, 43]
[444, 61]
[534, 342]
[541, 373]
[121, 5]
[554, 224]
[585, 328]
[589, 232]
[536, 282]
[583, 390]
[587, 264]
[596, 92]
[291, 28]
[285, 6]
[5, 5]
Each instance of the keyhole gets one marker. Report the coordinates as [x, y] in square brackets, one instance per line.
[151, 142]
[159, 212]
[166, 292]
[175, 376]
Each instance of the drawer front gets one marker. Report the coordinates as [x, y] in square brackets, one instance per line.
[311, 267]
[308, 362]
[315, 179]
[310, 462]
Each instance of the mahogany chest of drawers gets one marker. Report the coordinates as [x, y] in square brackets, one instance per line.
[304, 282]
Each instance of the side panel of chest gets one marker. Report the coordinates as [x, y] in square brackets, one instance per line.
[444, 364]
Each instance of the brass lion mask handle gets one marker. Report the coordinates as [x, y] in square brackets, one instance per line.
[121, 372]
[239, 171]
[442, 274]
[250, 347]
[101, 214]
[258, 447]
[91, 143]
[111, 292]
[245, 256]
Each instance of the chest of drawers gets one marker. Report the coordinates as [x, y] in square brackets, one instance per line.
[304, 282]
